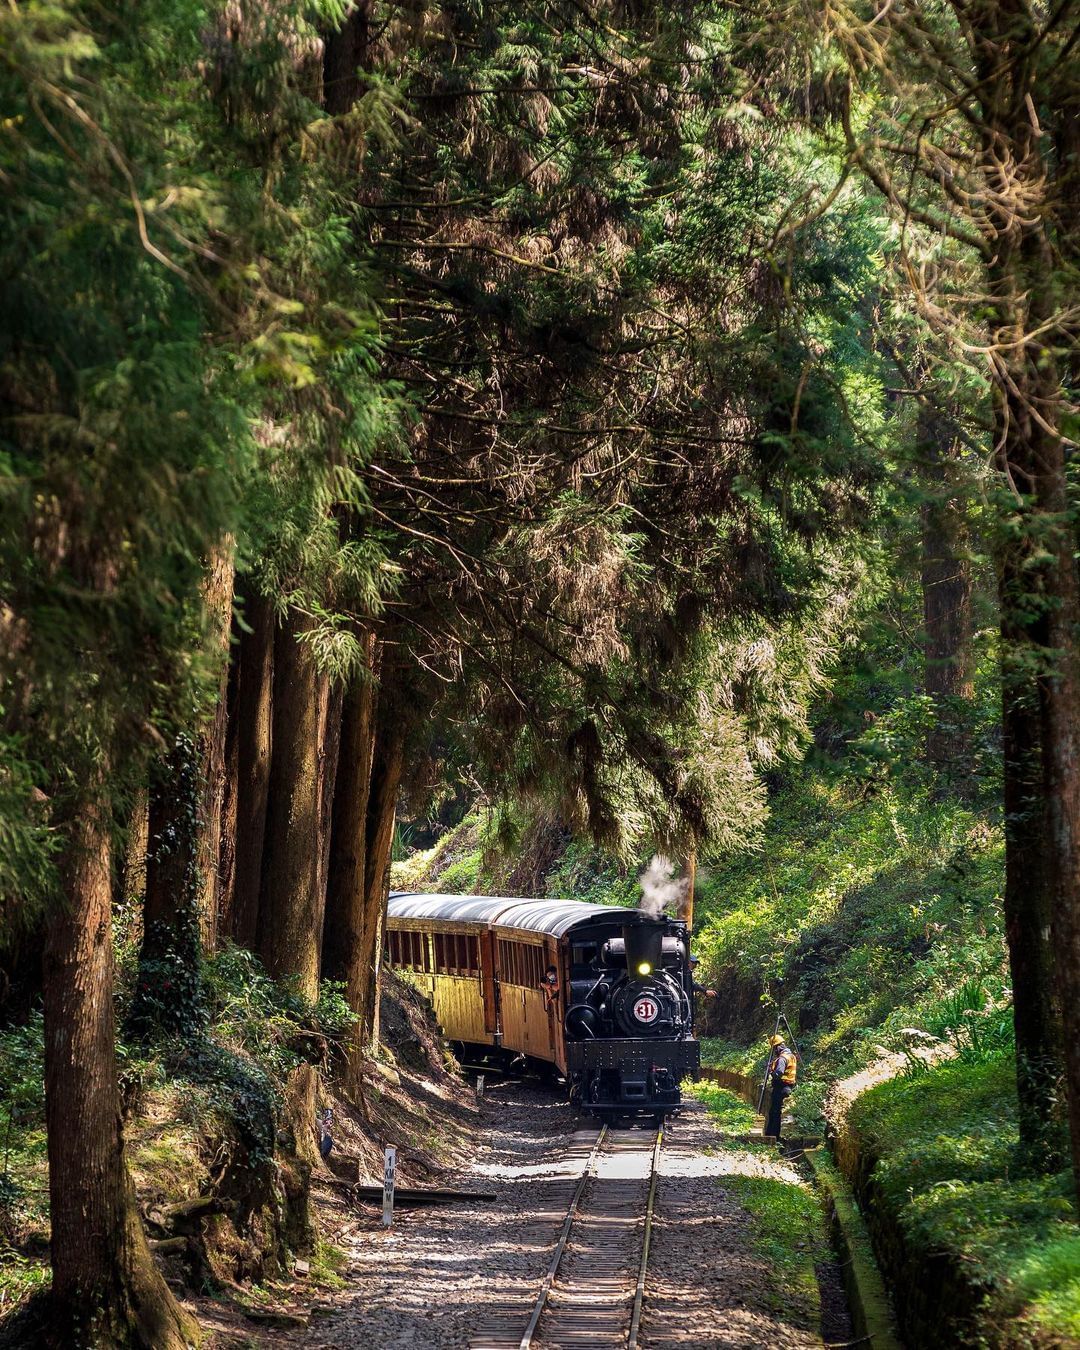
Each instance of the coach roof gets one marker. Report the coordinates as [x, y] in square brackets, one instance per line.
[538, 916]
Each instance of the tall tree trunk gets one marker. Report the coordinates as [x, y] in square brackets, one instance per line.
[218, 600]
[345, 53]
[1040, 610]
[946, 590]
[346, 953]
[329, 765]
[1061, 764]
[1061, 704]
[388, 759]
[227, 852]
[1040, 602]
[168, 989]
[290, 907]
[132, 871]
[106, 1290]
[184, 837]
[254, 739]
[1028, 898]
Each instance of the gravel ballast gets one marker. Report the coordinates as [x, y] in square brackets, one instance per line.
[451, 1277]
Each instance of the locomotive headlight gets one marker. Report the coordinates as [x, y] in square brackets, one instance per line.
[644, 968]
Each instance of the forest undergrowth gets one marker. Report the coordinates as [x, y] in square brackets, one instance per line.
[207, 1116]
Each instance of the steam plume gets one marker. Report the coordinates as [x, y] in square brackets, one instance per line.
[660, 887]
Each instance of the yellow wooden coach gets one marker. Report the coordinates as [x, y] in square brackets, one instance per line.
[481, 961]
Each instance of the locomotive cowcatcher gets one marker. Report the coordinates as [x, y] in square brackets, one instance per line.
[602, 995]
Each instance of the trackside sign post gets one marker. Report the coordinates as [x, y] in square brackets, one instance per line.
[389, 1167]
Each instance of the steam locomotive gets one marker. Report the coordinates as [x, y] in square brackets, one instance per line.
[602, 995]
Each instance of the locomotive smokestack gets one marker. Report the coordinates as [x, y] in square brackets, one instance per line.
[644, 946]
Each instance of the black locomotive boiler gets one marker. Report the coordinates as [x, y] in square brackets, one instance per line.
[603, 995]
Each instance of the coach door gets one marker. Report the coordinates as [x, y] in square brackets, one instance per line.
[557, 1005]
[489, 986]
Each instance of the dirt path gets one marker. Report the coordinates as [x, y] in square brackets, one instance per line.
[442, 1275]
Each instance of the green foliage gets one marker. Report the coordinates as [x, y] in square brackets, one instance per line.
[22, 1050]
[20, 1276]
[462, 877]
[968, 1020]
[728, 1112]
[271, 1021]
[24, 1267]
[27, 845]
[584, 873]
[788, 1232]
[870, 907]
[233, 1086]
[807, 1106]
[22, 1104]
[629, 500]
[189, 362]
[745, 1059]
[1045, 1280]
[249, 1033]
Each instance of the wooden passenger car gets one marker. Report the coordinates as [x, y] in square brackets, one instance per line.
[481, 961]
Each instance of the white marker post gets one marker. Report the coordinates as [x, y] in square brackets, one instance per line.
[390, 1166]
[479, 1087]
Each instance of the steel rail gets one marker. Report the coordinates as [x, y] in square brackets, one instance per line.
[639, 1292]
[560, 1247]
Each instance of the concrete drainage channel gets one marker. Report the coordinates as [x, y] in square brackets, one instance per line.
[868, 1300]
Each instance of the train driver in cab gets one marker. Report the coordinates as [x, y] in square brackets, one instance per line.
[549, 986]
[699, 988]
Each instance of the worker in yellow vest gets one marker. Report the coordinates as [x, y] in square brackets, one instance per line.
[783, 1068]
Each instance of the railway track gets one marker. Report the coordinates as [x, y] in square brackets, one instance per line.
[591, 1295]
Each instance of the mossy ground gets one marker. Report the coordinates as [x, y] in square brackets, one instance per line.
[947, 1141]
